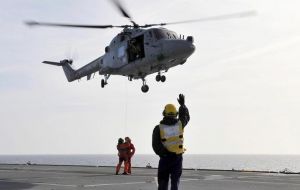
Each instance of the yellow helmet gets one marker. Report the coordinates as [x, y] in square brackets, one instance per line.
[170, 111]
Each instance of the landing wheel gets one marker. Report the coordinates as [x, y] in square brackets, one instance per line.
[102, 83]
[163, 78]
[145, 88]
[158, 78]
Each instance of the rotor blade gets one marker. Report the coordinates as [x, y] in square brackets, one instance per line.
[120, 7]
[124, 12]
[34, 23]
[213, 18]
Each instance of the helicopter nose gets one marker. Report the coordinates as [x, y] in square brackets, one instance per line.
[178, 48]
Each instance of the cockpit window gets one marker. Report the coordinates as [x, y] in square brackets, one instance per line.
[172, 35]
[164, 34]
[160, 34]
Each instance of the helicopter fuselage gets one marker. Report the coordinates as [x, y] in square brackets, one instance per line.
[137, 53]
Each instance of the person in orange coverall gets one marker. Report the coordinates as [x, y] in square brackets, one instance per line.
[123, 150]
[130, 154]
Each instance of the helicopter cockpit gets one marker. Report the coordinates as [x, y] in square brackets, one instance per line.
[162, 33]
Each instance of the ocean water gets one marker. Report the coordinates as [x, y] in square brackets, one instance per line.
[274, 163]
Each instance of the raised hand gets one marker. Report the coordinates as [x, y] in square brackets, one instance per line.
[181, 99]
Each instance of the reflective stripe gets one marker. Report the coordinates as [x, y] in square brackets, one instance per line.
[172, 137]
[171, 130]
[173, 142]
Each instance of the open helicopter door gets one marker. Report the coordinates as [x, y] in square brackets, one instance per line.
[135, 48]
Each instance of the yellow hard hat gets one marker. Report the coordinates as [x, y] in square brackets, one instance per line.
[170, 111]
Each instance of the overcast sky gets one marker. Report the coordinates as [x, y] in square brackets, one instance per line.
[242, 84]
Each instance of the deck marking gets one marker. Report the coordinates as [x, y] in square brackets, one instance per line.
[262, 182]
[214, 177]
[268, 178]
[29, 178]
[48, 171]
[112, 184]
[189, 179]
[54, 184]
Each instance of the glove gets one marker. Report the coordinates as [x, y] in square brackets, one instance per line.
[181, 99]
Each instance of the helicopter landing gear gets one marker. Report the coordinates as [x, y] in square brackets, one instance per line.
[160, 77]
[104, 81]
[145, 87]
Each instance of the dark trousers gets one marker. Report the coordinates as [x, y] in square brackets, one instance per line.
[169, 166]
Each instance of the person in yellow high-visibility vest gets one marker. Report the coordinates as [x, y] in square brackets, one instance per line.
[167, 142]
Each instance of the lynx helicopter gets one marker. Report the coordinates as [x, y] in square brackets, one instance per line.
[137, 51]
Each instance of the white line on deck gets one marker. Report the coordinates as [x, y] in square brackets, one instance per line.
[189, 179]
[261, 182]
[112, 184]
[55, 184]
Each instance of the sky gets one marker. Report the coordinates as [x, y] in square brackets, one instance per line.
[242, 84]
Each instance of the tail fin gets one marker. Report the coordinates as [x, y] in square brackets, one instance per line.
[66, 65]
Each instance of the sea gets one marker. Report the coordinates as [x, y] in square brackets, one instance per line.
[271, 163]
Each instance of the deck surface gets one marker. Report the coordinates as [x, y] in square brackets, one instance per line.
[41, 177]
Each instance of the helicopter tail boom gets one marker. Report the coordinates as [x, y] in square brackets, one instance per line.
[66, 65]
[69, 72]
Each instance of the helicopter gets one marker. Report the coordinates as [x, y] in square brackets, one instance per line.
[137, 51]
